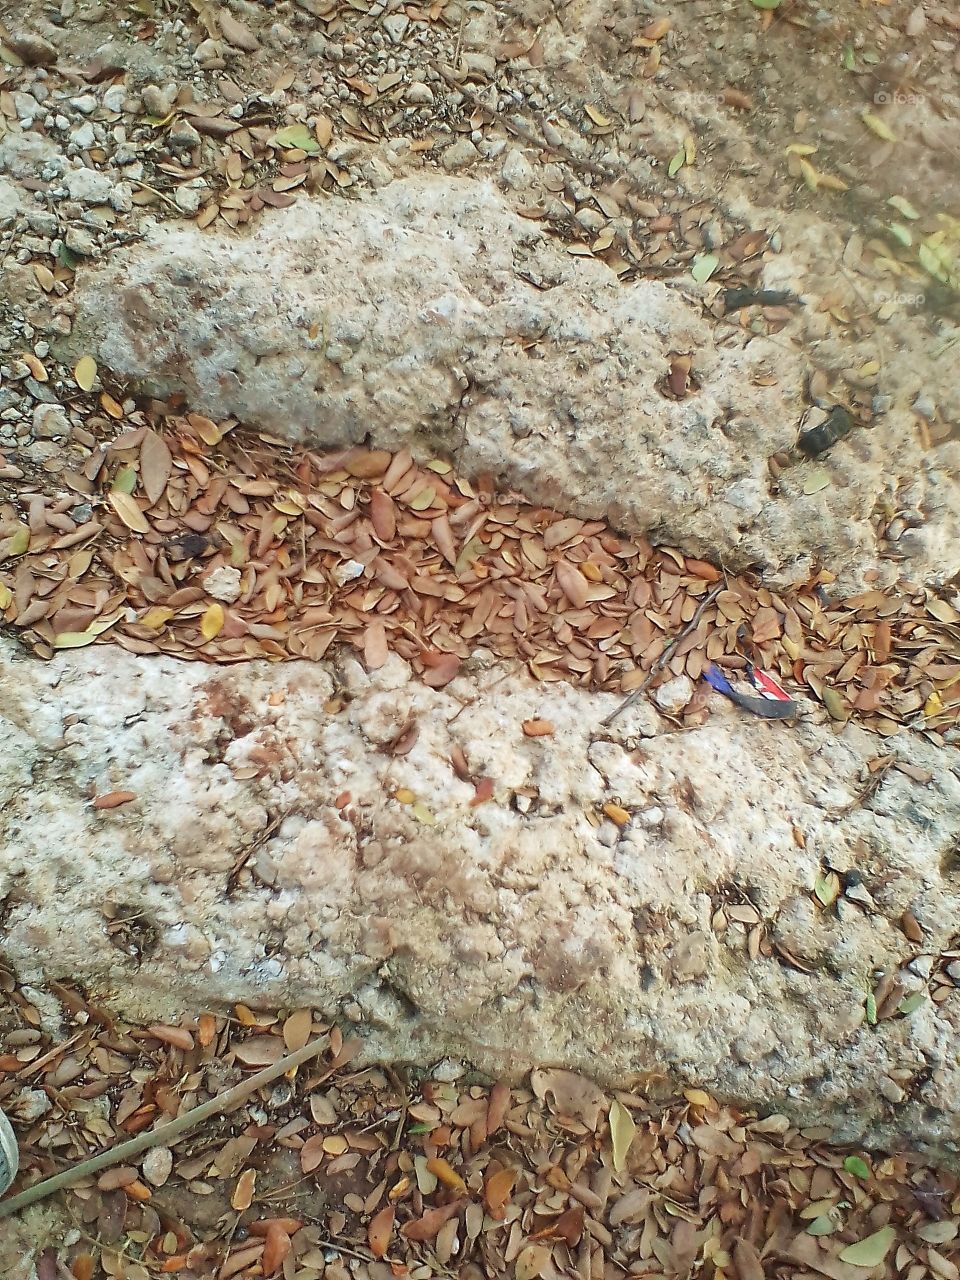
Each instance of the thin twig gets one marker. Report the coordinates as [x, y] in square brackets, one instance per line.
[664, 658]
[166, 1132]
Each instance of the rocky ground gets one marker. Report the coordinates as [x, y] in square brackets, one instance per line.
[418, 353]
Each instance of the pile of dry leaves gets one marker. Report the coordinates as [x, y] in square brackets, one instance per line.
[342, 1171]
[200, 539]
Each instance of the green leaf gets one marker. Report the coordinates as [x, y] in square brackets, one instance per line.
[125, 480]
[817, 478]
[871, 1251]
[827, 888]
[299, 136]
[703, 267]
[766, 4]
[421, 1128]
[903, 206]
[16, 544]
[677, 162]
[871, 1008]
[622, 1130]
[858, 1167]
[912, 1003]
[823, 1225]
[67, 258]
[848, 60]
[900, 232]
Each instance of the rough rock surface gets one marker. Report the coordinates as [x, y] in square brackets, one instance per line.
[430, 314]
[510, 932]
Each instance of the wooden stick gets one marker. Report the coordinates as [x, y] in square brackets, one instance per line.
[166, 1132]
[664, 658]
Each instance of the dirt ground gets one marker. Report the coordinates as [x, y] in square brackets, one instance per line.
[638, 128]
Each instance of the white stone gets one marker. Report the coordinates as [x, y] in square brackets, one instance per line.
[673, 695]
[433, 934]
[223, 583]
[597, 436]
[396, 25]
[50, 422]
[88, 186]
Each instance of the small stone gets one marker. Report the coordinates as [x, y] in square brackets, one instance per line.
[673, 695]
[84, 136]
[651, 817]
[448, 1070]
[33, 49]
[922, 966]
[188, 199]
[86, 104]
[396, 26]
[114, 98]
[10, 202]
[418, 94]
[891, 1090]
[183, 135]
[459, 156]
[159, 102]
[88, 186]
[50, 422]
[157, 1165]
[516, 170]
[80, 241]
[30, 1105]
[121, 198]
[223, 583]
[953, 971]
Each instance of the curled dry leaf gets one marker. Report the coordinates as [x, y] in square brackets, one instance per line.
[569, 1094]
[242, 1197]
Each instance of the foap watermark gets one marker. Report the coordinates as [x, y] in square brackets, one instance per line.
[896, 98]
[886, 299]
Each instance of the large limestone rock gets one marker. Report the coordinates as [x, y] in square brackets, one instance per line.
[267, 858]
[429, 314]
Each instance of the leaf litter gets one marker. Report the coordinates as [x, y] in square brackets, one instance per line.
[368, 1172]
[207, 541]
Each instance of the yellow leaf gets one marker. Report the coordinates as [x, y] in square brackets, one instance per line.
[699, 1098]
[85, 373]
[878, 126]
[799, 149]
[689, 149]
[596, 116]
[6, 595]
[404, 795]
[423, 814]
[809, 174]
[868, 369]
[16, 544]
[933, 705]
[832, 182]
[156, 617]
[74, 639]
[622, 1130]
[212, 621]
[129, 511]
[111, 406]
[423, 499]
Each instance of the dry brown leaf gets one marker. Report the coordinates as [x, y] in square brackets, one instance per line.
[156, 464]
[570, 1094]
[297, 1029]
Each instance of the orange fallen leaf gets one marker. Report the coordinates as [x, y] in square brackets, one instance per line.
[427, 1226]
[497, 1190]
[444, 1172]
[538, 728]
[113, 799]
[380, 1229]
[242, 1197]
[276, 1248]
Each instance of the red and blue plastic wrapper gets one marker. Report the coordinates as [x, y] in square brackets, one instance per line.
[770, 701]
